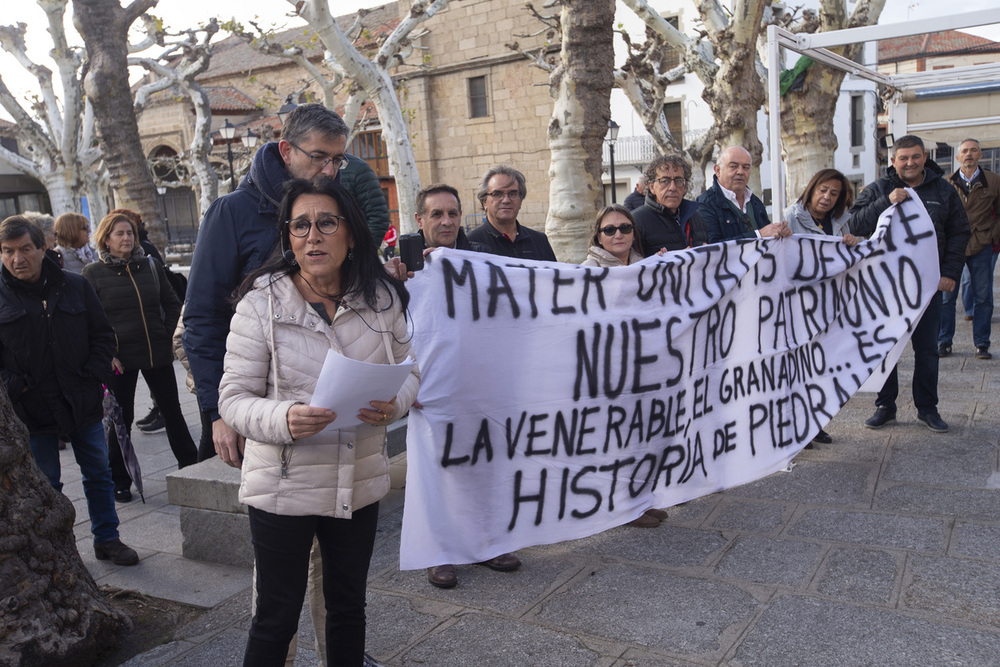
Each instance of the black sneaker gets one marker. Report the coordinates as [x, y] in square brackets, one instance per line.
[370, 661]
[154, 414]
[116, 552]
[933, 421]
[983, 353]
[882, 416]
[123, 495]
[944, 350]
[154, 426]
[822, 438]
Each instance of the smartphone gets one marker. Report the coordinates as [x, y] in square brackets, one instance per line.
[411, 251]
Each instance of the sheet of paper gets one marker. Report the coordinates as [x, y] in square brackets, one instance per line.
[347, 385]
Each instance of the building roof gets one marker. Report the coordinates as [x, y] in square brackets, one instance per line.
[934, 44]
[228, 98]
[233, 56]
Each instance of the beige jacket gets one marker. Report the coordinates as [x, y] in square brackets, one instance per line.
[598, 256]
[274, 353]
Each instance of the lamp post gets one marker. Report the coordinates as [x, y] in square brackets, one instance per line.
[227, 132]
[286, 109]
[611, 138]
[162, 191]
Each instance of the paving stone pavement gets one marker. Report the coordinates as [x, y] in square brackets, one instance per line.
[882, 548]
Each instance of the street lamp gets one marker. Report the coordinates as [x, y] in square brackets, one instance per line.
[611, 138]
[250, 140]
[286, 109]
[227, 132]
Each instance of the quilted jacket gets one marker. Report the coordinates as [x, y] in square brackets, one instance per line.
[274, 354]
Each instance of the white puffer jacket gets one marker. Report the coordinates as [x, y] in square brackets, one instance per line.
[275, 351]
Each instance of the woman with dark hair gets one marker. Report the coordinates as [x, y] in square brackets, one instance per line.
[143, 309]
[73, 241]
[322, 289]
[615, 241]
[822, 209]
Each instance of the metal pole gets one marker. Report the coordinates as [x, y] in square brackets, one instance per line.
[611, 148]
[774, 120]
[232, 174]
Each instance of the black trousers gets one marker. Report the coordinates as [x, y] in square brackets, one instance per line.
[281, 547]
[925, 364]
[163, 383]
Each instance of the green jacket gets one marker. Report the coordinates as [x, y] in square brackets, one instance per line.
[361, 181]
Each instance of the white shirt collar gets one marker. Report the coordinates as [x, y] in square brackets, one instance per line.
[974, 176]
[731, 196]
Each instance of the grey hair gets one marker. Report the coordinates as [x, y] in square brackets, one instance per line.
[664, 162]
[504, 170]
[43, 221]
[309, 118]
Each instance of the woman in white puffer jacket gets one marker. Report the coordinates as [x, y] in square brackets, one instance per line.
[326, 291]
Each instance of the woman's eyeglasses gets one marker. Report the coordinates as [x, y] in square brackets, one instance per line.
[300, 227]
[624, 229]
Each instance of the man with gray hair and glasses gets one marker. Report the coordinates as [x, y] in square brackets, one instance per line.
[501, 193]
[667, 219]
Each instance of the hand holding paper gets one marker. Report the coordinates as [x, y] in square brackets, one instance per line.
[353, 389]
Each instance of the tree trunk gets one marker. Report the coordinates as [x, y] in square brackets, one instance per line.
[51, 611]
[581, 85]
[737, 92]
[808, 139]
[104, 25]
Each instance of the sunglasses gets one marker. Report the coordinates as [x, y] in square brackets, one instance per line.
[625, 228]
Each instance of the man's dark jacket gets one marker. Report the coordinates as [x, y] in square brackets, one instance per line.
[56, 346]
[237, 234]
[360, 180]
[951, 225]
[527, 244]
[659, 227]
[725, 222]
[634, 200]
[462, 242]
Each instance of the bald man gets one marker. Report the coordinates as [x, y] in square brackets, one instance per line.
[729, 209]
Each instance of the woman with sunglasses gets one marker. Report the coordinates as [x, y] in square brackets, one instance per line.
[322, 289]
[615, 242]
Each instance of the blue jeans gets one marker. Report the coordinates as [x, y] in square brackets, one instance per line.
[980, 268]
[91, 454]
[925, 363]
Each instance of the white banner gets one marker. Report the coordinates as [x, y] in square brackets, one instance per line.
[559, 401]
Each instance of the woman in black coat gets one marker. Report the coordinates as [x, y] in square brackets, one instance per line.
[143, 309]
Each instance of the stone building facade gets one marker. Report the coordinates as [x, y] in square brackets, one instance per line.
[471, 103]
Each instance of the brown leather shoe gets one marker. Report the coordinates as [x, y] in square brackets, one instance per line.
[660, 515]
[442, 576]
[644, 520]
[503, 563]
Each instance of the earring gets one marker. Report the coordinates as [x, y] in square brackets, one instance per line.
[350, 253]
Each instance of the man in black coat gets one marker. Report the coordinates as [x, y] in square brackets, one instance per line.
[56, 346]
[911, 169]
[637, 197]
[501, 194]
[666, 219]
[730, 210]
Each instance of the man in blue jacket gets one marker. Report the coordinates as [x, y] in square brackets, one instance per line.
[729, 209]
[56, 346]
[911, 169]
[238, 233]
